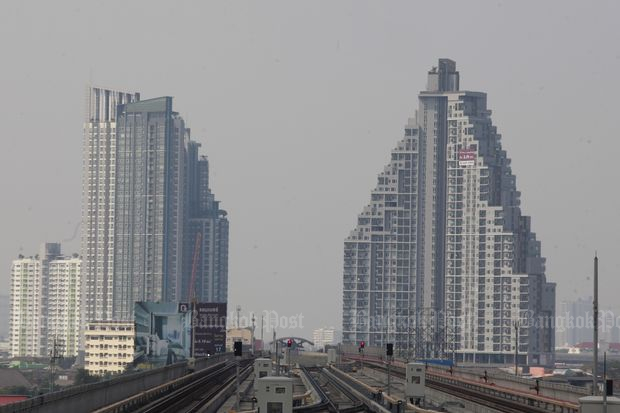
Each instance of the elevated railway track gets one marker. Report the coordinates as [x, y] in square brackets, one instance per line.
[499, 398]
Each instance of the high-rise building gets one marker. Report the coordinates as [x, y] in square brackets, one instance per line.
[26, 329]
[146, 199]
[63, 304]
[149, 204]
[98, 199]
[576, 322]
[442, 262]
[45, 303]
[206, 236]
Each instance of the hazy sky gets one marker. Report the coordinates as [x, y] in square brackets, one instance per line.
[298, 105]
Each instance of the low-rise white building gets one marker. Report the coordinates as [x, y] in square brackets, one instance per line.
[109, 346]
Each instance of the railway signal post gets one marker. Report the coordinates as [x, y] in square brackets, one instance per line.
[289, 344]
[389, 352]
[361, 350]
[238, 350]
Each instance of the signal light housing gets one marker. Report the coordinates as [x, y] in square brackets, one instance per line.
[238, 348]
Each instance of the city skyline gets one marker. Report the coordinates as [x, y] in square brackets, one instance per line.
[248, 97]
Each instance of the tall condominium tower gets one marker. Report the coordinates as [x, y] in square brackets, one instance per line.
[45, 303]
[442, 262]
[26, 329]
[149, 204]
[146, 197]
[206, 236]
[98, 192]
[63, 304]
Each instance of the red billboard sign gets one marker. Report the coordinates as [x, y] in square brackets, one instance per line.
[467, 157]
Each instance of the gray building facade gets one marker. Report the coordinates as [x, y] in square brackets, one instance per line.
[98, 200]
[442, 262]
[146, 197]
[206, 236]
[148, 225]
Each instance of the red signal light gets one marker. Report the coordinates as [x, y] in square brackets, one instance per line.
[289, 343]
[362, 344]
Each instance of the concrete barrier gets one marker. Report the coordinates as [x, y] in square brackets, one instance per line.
[560, 391]
[89, 397]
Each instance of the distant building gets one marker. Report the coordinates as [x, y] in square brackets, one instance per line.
[146, 203]
[148, 220]
[109, 347]
[27, 335]
[45, 303]
[243, 334]
[98, 199]
[575, 322]
[323, 336]
[442, 262]
[5, 301]
[205, 236]
[63, 304]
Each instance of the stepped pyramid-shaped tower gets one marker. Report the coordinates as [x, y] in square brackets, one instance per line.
[442, 262]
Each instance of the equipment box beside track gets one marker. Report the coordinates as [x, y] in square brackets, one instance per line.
[416, 380]
[275, 394]
[262, 367]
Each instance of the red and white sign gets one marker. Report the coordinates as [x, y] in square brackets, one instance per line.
[467, 157]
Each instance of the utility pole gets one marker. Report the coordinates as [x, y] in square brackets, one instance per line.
[262, 326]
[253, 328]
[389, 353]
[289, 362]
[605, 382]
[595, 315]
[238, 399]
[389, 376]
[55, 354]
[277, 359]
[238, 352]
[238, 316]
[516, 324]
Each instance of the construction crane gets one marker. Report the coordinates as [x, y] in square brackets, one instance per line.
[192, 296]
[192, 284]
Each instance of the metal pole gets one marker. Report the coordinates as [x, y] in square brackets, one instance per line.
[605, 382]
[289, 361]
[192, 327]
[253, 328]
[238, 316]
[237, 379]
[362, 368]
[454, 344]
[516, 323]
[388, 383]
[595, 320]
[277, 359]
